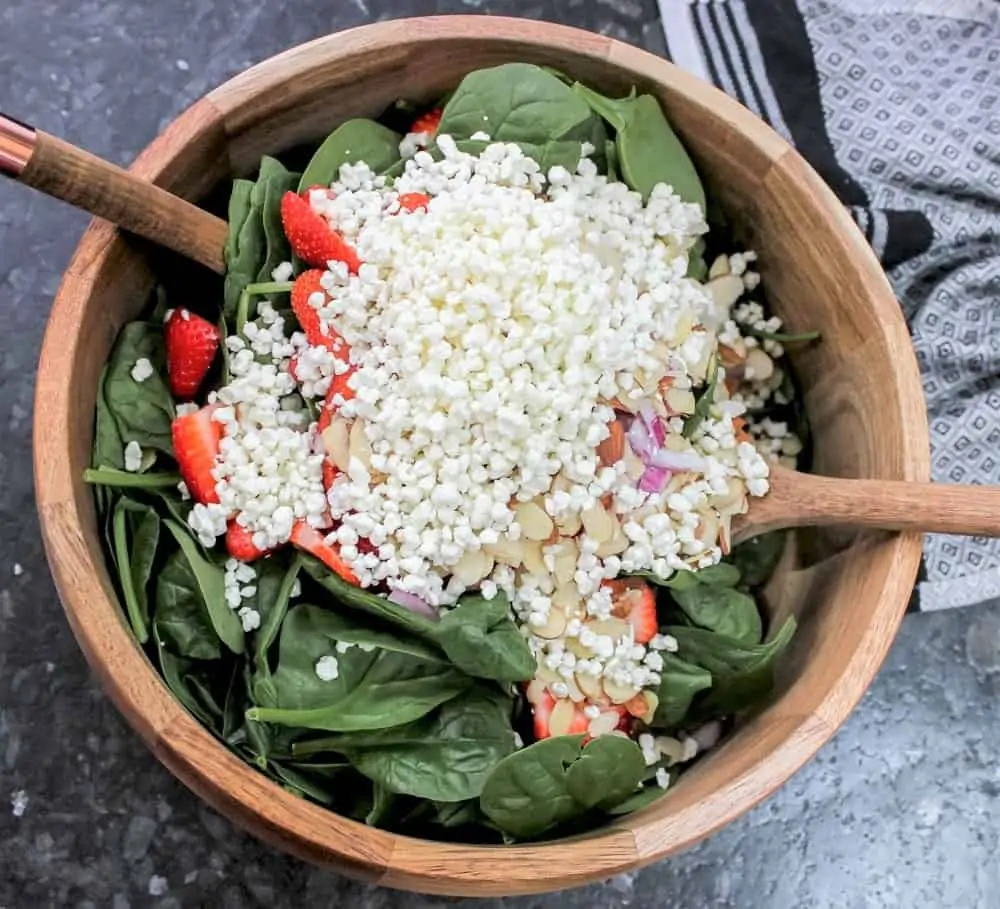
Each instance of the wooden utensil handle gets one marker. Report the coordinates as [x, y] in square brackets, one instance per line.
[899, 505]
[88, 182]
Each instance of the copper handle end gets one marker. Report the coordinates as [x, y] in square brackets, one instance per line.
[17, 142]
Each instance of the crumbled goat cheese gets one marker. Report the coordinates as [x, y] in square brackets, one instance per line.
[663, 777]
[142, 370]
[327, 668]
[133, 457]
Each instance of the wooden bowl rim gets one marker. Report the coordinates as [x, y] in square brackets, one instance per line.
[240, 792]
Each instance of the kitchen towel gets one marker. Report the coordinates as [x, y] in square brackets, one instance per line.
[897, 106]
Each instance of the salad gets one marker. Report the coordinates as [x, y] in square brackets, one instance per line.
[426, 512]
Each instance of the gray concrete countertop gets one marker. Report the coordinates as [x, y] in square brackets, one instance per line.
[900, 810]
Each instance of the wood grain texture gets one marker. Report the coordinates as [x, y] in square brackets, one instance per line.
[862, 393]
[99, 187]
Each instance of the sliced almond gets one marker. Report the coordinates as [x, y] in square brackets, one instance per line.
[567, 597]
[507, 551]
[360, 448]
[612, 628]
[726, 534]
[615, 546]
[590, 685]
[719, 267]
[473, 567]
[670, 748]
[679, 401]
[598, 524]
[562, 716]
[678, 481]
[536, 691]
[546, 675]
[619, 694]
[535, 523]
[336, 441]
[734, 495]
[732, 355]
[533, 560]
[759, 365]
[643, 706]
[603, 723]
[725, 290]
[554, 625]
[685, 324]
[610, 451]
[634, 468]
[565, 556]
[575, 694]
[570, 525]
[707, 531]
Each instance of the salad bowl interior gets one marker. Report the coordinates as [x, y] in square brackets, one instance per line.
[860, 388]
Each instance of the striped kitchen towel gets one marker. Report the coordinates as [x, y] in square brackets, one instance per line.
[897, 106]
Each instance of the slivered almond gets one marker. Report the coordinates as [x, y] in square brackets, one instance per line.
[619, 694]
[598, 524]
[570, 525]
[615, 546]
[507, 551]
[561, 717]
[359, 445]
[610, 451]
[565, 555]
[643, 706]
[725, 290]
[567, 597]
[534, 561]
[719, 267]
[473, 567]
[535, 523]
[679, 401]
[613, 628]
[554, 625]
[336, 441]
[603, 723]
[590, 685]
[575, 694]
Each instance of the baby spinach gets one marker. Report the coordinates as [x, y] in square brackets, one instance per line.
[697, 266]
[142, 411]
[239, 211]
[274, 591]
[136, 531]
[722, 574]
[680, 681]
[108, 448]
[210, 587]
[106, 476]
[181, 617]
[757, 558]
[276, 180]
[722, 609]
[516, 102]
[180, 675]
[540, 787]
[641, 798]
[703, 406]
[375, 688]
[445, 756]
[742, 674]
[354, 140]
[649, 151]
[249, 248]
[480, 638]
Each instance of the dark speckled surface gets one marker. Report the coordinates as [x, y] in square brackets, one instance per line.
[900, 810]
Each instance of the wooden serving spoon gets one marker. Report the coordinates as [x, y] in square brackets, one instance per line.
[795, 500]
[73, 175]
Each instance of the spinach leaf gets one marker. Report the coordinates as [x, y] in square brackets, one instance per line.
[536, 788]
[376, 687]
[354, 140]
[697, 266]
[210, 587]
[637, 800]
[136, 534]
[108, 449]
[250, 245]
[680, 681]
[445, 756]
[239, 211]
[123, 479]
[722, 609]
[274, 591]
[142, 411]
[649, 151]
[516, 102]
[742, 674]
[606, 773]
[179, 674]
[181, 617]
[679, 580]
[722, 574]
[703, 406]
[783, 337]
[277, 180]
[318, 783]
[757, 558]
[480, 638]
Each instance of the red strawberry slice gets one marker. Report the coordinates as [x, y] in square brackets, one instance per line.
[311, 238]
[191, 344]
[633, 599]
[240, 544]
[543, 704]
[307, 284]
[339, 386]
[314, 542]
[196, 444]
[330, 473]
[413, 201]
[427, 122]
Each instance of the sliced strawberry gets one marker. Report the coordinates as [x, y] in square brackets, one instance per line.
[196, 444]
[330, 473]
[634, 600]
[543, 704]
[240, 544]
[191, 344]
[339, 386]
[427, 122]
[413, 201]
[311, 238]
[307, 284]
[314, 542]
[293, 367]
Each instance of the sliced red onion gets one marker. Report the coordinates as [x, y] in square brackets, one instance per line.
[640, 440]
[654, 479]
[412, 602]
[677, 461]
[654, 425]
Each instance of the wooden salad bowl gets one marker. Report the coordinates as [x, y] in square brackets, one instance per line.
[860, 386]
